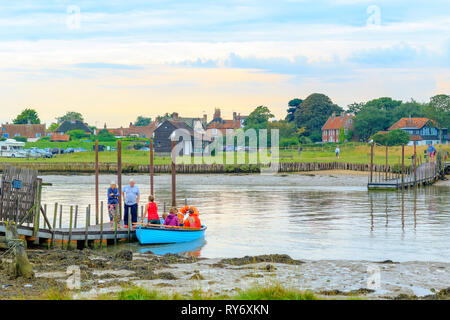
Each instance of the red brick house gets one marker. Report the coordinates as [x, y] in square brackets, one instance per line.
[31, 131]
[137, 131]
[219, 125]
[331, 128]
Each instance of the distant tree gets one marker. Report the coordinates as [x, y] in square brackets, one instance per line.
[27, 115]
[286, 130]
[355, 107]
[294, 104]
[164, 117]
[409, 109]
[105, 135]
[369, 121]
[438, 109]
[341, 134]
[313, 113]
[71, 115]
[441, 102]
[384, 103]
[392, 138]
[53, 127]
[77, 134]
[142, 121]
[20, 138]
[258, 118]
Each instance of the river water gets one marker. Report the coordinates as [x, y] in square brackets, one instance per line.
[324, 216]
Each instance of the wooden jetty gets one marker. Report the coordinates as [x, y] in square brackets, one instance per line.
[20, 204]
[420, 173]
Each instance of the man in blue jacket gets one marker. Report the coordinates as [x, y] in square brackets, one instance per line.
[131, 196]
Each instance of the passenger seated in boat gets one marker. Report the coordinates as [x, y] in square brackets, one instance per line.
[172, 218]
[152, 211]
[184, 213]
[193, 221]
[164, 217]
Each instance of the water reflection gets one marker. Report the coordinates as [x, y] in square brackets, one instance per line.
[309, 217]
[191, 248]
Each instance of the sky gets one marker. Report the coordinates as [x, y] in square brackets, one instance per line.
[114, 60]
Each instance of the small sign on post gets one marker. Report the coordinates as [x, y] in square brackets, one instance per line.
[17, 184]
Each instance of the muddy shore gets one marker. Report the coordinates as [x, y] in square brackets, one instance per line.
[103, 272]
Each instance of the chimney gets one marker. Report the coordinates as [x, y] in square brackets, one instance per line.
[175, 116]
[333, 115]
[216, 114]
[131, 124]
[234, 116]
[205, 118]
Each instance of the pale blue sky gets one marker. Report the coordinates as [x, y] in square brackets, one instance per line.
[117, 59]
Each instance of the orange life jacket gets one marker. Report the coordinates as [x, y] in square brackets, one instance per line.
[193, 221]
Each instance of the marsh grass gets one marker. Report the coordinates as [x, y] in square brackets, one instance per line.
[55, 294]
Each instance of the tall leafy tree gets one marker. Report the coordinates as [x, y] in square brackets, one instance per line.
[258, 118]
[142, 121]
[27, 115]
[313, 113]
[293, 105]
[370, 120]
[70, 115]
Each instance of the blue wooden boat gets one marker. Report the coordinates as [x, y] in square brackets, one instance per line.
[163, 234]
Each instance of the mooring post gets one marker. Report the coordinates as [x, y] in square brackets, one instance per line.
[70, 228]
[60, 215]
[415, 165]
[55, 214]
[403, 166]
[38, 210]
[129, 224]
[386, 165]
[96, 181]
[76, 217]
[152, 169]
[86, 227]
[119, 175]
[101, 225]
[371, 161]
[173, 176]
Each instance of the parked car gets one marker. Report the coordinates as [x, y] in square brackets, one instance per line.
[44, 153]
[69, 150]
[80, 150]
[57, 150]
[101, 148]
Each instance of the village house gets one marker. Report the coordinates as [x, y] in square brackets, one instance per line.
[69, 125]
[422, 130]
[331, 128]
[162, 137]
[30, 131]
[219, 126]
[145, 132]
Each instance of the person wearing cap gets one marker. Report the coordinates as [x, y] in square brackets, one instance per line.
[130, 195]
[113, 203]
[193, 221]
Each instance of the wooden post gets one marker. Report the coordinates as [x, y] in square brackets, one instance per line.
[38, 210]
[86, 226]
[174, 203]
[119, 174]
[129, 224]
[96, 181]
[386, 165]
[101, 225]
[371, 161]
[76, 217]
[60, 215]
[55, 214]
[70, 227]
[415, 164]
[403, 166]
[152, 169]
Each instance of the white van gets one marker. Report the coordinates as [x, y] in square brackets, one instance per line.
[12, 148]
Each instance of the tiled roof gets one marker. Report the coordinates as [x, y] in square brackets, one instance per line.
[410, 123]
[25, 130]
[336, 122]
[72, 125]
[59, 137]
[225, 124]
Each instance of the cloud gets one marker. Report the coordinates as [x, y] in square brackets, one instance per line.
[102, 65]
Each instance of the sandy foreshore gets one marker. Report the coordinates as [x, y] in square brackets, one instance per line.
[102, 273]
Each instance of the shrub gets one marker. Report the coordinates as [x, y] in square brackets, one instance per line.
[20, 138]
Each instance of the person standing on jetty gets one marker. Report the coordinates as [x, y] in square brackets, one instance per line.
[130, 195]
[113, 204]
[431, 151]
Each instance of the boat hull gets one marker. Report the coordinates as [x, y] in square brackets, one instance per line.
[161, 235]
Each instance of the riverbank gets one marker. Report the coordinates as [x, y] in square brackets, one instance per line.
[107, 275]
[127, 168]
